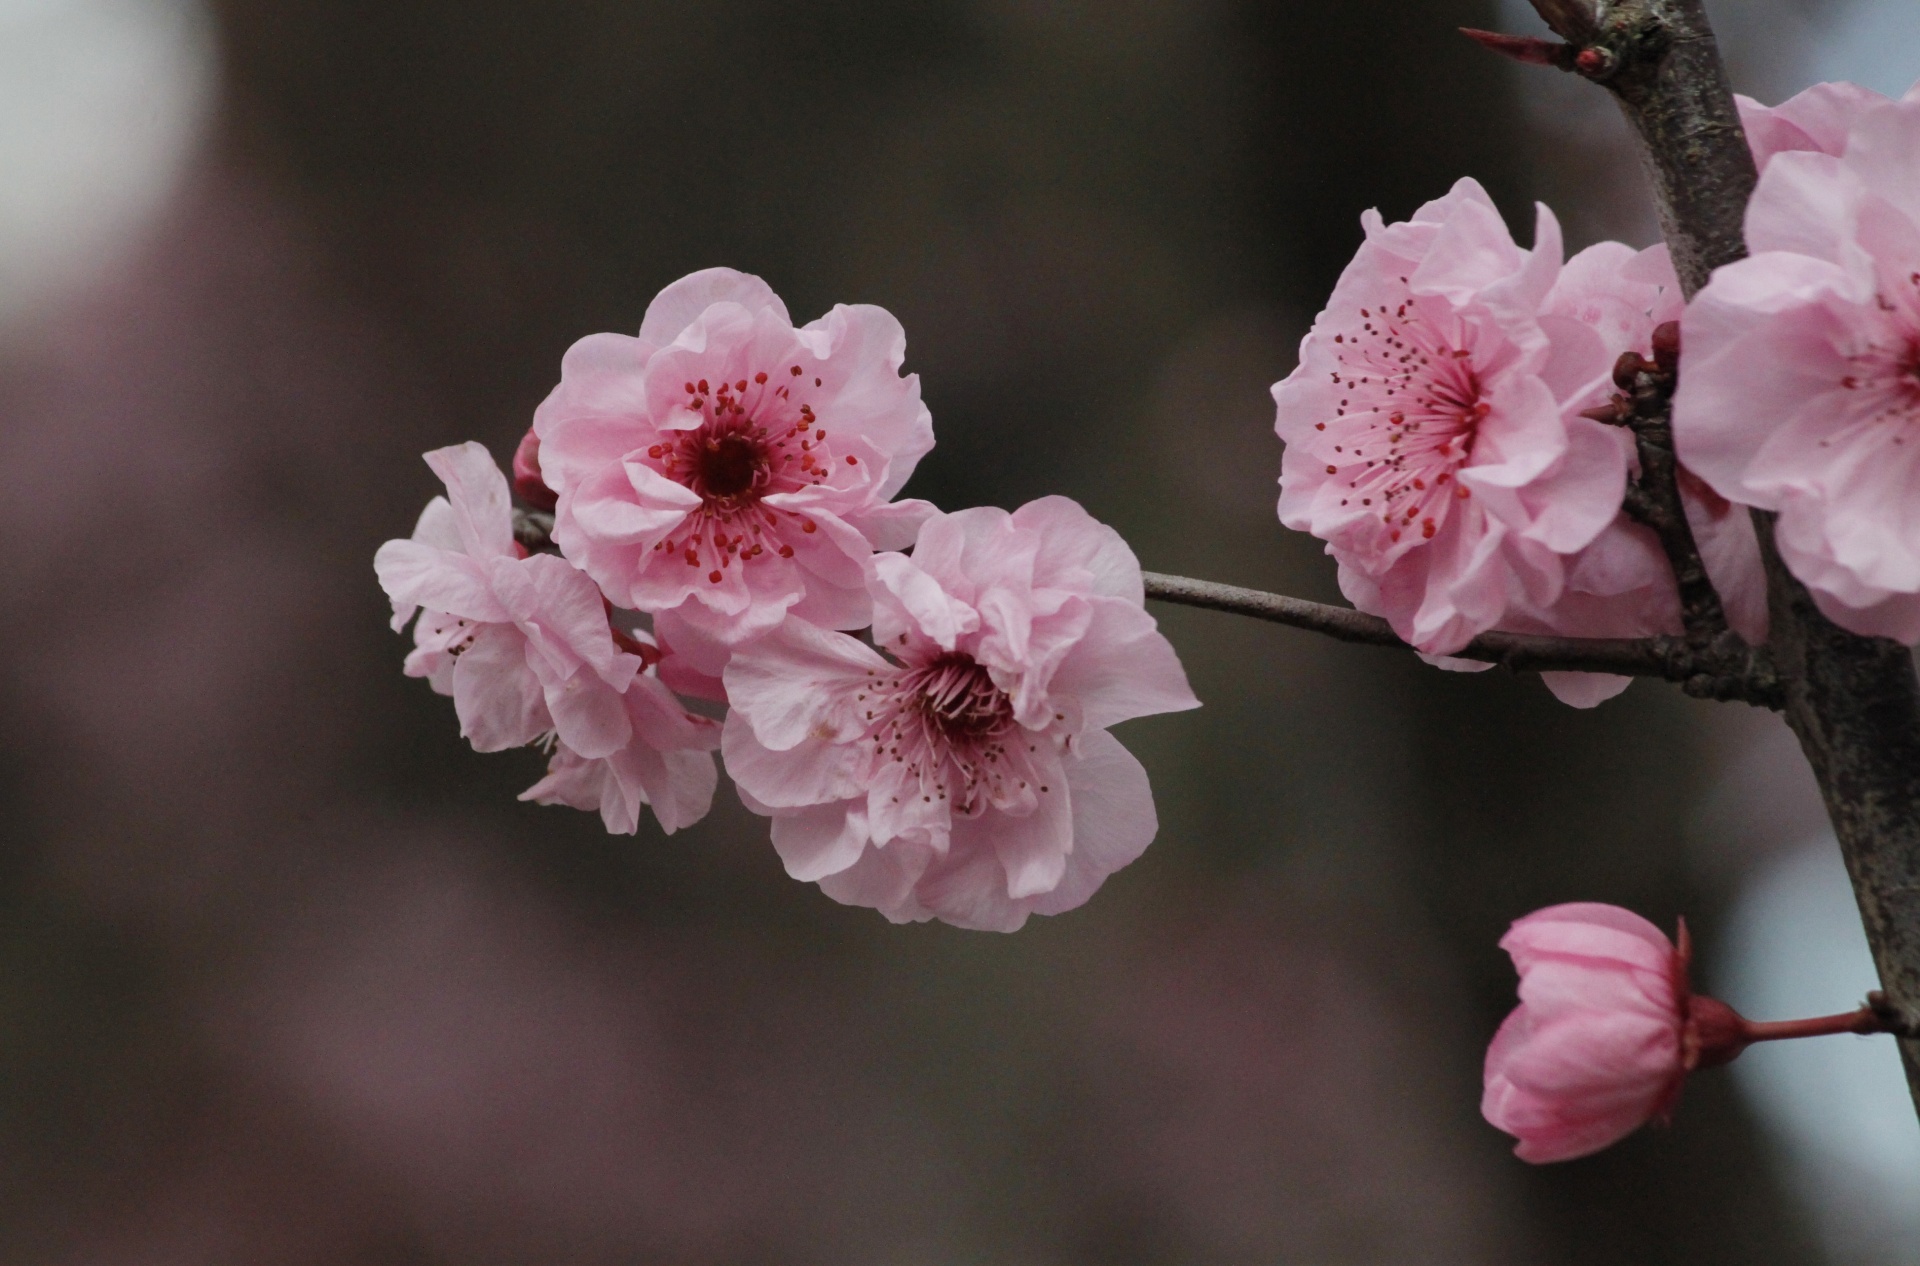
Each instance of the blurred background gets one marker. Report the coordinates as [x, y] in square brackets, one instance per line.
[287, 975]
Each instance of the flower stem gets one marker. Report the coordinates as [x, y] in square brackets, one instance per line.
[1865, 1020]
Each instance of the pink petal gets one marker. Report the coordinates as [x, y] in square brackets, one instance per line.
[417, 575]
[799, 683]
[894, 525]
[1122, 668]
[477, 491]
[1584, 690]
[1078, 551]
[1113, 819]
[810, 772]
[681, 303]
[820, 840]
[497, 697]
[909, 602]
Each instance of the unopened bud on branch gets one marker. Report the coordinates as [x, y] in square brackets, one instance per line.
[528, 484]
[1608, 1029]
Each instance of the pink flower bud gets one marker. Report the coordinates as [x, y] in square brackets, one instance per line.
[1598, 1046]
[1608, 1028]
[527, 482]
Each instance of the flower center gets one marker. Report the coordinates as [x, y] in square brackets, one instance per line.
[1410, 410]
[959, 700]
[955, 733]
[755, 440]
[726, 466]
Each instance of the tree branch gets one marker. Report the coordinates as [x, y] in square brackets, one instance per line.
[1853, 702]
[1704, 673]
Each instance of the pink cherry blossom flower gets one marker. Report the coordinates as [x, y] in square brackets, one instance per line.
[1597, 1047]
[522, 644]
[668, 763]
[967, 773]
[1800, 391]
[1433, 431]
[726, 469]
[1816, 120]
[1609, 1028]
[1622, 585]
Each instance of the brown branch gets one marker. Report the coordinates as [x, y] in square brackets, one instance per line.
[1644, 405]
[1668, 658]
[1854, 702]
[1662, 64]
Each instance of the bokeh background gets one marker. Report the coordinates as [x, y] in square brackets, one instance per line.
[287, 975]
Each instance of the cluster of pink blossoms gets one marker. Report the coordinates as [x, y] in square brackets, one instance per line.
[733, 480]
[1437, 435]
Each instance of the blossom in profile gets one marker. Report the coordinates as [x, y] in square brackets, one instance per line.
[523, 644]
[1597, 1046]
[727, 469]
[1801, 386]
[963, 770]
[668, 764]
[1609, 1028]
[1433, 430]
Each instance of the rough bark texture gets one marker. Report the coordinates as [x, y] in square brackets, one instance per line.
[1854, 702]
[1660, 60]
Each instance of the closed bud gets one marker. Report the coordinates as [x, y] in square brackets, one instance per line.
[528, 484]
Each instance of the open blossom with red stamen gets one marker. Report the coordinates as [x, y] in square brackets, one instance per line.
[726, 468]
[1800, 391]
[965, 774]
[522, 644]
[1432, 429]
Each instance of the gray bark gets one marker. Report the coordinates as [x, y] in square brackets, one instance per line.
[1854, 702]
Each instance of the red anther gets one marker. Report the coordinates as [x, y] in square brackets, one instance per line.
[713, 577]
[786, 551]
[808, 525]
[795, 371]
[760, 378]
[1333, 470]
[1666, 346]
[852, 460]
[689, 388]
[703, 386]
[528, 484]
[741, 385]
[1427, 529]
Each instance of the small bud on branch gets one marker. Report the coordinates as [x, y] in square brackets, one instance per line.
[1528, 49]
